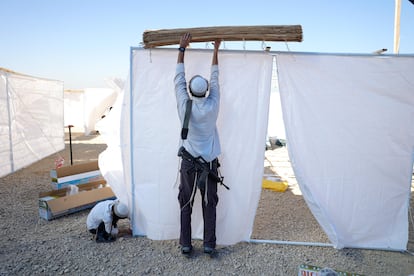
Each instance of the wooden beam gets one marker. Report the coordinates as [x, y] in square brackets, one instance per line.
[282, 33]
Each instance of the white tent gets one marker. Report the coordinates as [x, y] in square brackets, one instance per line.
[85, 108]
[344, 146]
[31, 120]
[150, 140]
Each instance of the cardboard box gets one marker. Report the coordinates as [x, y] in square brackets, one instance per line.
[56, 203]
[75, 175]
[74, 169]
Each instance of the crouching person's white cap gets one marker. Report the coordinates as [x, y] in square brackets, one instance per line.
[198, 86]
[121, 210]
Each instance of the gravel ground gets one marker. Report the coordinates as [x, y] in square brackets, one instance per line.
[33, 246]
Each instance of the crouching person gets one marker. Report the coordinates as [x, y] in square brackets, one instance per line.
[103, 218]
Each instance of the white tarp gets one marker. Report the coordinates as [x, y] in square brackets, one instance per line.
[150, 138]
[31, 120]
[350, 132]
[74, 110]
[85, 108]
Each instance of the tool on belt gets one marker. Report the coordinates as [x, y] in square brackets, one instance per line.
[202, 167]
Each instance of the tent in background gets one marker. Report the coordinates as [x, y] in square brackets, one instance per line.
[74, 109]
[84, 108]
[31, 119]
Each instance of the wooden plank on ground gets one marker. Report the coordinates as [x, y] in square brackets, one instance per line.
[163, 37]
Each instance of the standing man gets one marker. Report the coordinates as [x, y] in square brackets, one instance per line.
[200, 147]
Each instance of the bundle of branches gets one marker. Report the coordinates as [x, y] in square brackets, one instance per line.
[165, 37]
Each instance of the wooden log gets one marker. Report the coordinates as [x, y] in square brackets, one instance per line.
[165, 37]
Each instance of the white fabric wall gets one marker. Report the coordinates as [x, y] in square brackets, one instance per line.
[97, 103]
[350, 132]
[31, 120]
[74, 110]
[84, 108]
[111, 164]
[150, 137]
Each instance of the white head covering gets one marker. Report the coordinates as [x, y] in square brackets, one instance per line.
[120, 209]
[198, 86]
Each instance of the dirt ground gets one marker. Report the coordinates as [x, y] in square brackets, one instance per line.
[32, 246]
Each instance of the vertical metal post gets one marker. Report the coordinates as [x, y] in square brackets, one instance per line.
[397, 26]
[131, 140]
[70, 144]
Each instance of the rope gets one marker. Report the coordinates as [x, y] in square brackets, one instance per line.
[192, 193]
[177, 178]
[287, 46]
[206, 185]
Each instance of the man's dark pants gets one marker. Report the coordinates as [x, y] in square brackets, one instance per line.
[209, 210]
[101, 234]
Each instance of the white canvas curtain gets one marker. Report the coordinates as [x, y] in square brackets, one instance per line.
[31, 120]
[74, 109]
[350, 132]
[150, 138]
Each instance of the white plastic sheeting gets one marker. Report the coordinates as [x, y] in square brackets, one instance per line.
[111, 164]
[31, 120]
[74, 110]
[150, 137]
[85, 108]
[348, 125]
[350, 132]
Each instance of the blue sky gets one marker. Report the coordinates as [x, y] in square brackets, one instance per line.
[83, 42]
